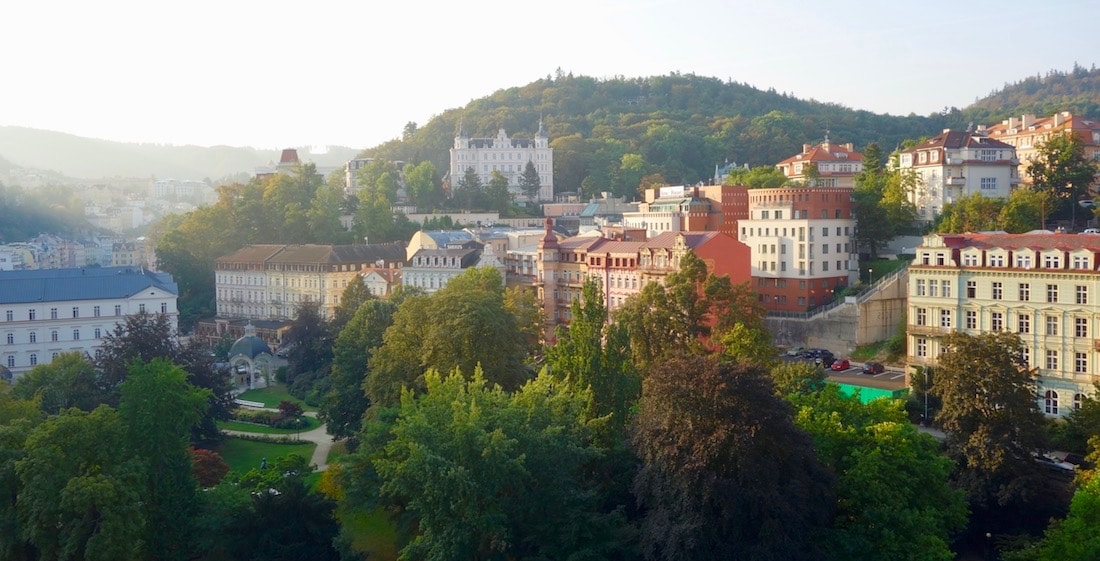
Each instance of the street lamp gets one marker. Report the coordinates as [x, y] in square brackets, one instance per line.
[870, 275]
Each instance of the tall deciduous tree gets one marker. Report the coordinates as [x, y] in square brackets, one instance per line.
[485, 474]
[725, 473]
[464, 324]
[595, 356]
[893, 488]
[346, 401]
[1061, 168]
[67, 381]
[990, 416]
[159, 408]
[309, 355]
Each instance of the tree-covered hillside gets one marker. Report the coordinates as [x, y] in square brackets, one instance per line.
[1077, 91]
[24, 215]
[609, 133]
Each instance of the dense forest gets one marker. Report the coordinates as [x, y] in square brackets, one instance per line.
[54, 210]
[607, 134]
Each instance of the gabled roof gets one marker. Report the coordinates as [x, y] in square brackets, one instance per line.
[96, 283]
[1039, 240]
[825, 152]
[315, 253]
[667, 240]
[950, 139]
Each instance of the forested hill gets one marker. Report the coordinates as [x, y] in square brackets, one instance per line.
[1077, 91]
[680, 125]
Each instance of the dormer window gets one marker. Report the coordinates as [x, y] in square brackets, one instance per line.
[996, 260]
[1023, 261]
[1052, 262]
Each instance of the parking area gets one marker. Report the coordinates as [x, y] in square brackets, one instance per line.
[891, 378]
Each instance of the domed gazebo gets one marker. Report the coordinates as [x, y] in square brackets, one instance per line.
[251, 361]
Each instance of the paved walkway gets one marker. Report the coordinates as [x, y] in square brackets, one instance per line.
[318, 436]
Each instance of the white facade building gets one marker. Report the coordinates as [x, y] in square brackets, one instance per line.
[958, 163]
[507, 155]
[46, 312]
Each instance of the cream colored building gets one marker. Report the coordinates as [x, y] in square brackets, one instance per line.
[1045, 287]
[1027, 132]
[507, 155]
[271, 281]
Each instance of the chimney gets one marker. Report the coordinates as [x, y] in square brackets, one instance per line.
[850, 147]
[805, 148]
[1058, 119]
[1012, 122]
[1027, 120]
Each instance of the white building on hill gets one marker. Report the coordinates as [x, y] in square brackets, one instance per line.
[509, 156]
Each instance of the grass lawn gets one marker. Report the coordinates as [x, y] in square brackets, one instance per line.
[272, 395]
[881, 268]
[373, 534]
[311, 423]
[243, 455]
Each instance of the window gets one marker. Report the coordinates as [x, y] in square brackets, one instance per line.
[922, 316]
[31, 314]
[945, 318]
[53, 313]
[998, 291]
[1023, 324]
[1025, 292]
[1025, 353]
[1081, 363]
[988, 184]
[118, 309]
[970, 260]
[1052, 325]
[1082, 294]
[76, 311]
[34, 359]
[997, 321]
[922, 347]
[8, 315]
[934, 288]
[33, 337]
[76, 335]
[1052, 262]
[95, 311]
[1050, 402]
[11, 338]
[971, 289]
[1078, 399]
[1052, 360]
[1052, 293]
[11, 361]
[141, 308]
[987, 156]
[971, 319]
[98, 333]
[946, 288]
[1023, 261]
[921, 291]
[1081, 327]
[996, 260]
[164, 307]
[53, 336]
[1080, 262]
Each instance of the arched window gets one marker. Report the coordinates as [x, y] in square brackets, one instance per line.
[1078, 399]
[1050, 402]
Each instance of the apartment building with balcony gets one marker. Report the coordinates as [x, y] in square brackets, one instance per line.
[954, 164]
[1045, 287]
[803, 245]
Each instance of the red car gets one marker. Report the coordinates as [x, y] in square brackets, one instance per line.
[841, 364]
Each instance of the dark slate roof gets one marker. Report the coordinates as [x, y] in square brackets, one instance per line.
[91, 283]
[250, 346]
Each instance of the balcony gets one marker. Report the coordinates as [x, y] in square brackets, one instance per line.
[930, 330]
[955, 161]
[954, 181]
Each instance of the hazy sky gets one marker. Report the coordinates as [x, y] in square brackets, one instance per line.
[273, 74]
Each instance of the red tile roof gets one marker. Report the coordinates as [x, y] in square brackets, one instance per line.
[1033, 240]
[959, 139]
[826, 153]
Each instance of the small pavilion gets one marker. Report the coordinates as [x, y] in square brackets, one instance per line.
[251, 361]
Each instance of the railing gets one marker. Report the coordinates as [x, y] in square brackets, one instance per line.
[930, 330]
[862, 294]
[960, 181]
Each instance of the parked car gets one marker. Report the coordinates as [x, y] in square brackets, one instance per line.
[1055, 465]
[1091, 231]
[796, 351]
[873, 368]
[826, 361]
[841, 365]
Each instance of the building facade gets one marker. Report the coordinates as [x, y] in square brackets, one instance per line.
[954, 164]
[1045, 287]
[507, 155]
[271, 281]
[803, 245]
[837, 165]
[431, 269]
[1027, 132]
[47, 312]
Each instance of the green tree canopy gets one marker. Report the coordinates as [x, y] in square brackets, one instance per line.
[725, 473]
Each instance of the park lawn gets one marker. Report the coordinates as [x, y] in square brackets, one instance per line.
[880, 268]
[311, 423]
[373, 534]
[243, 455]
[272, 395]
